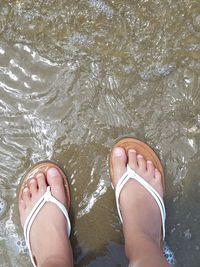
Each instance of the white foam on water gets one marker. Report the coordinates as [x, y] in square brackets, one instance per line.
[35, 78]
[2, 52]
[26, 85]
[187, 234]
[35, 55]
[102, 7]
[157, 70]
[89, 200]
[14, 241]
[15, 64]
[80, 39]
[169, 255]
[12, 76]
[2, 206]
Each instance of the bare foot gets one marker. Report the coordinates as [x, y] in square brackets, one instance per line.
[48, 236]
[139, 210]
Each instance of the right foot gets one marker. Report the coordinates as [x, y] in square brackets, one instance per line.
[48, 235]
[138, 208]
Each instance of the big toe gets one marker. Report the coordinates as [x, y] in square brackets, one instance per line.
[118, 164]
[55, 180]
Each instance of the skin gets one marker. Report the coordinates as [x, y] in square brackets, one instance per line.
[50, 224]
[140, 213]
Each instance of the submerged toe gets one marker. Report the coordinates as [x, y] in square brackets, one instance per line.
[119, 161]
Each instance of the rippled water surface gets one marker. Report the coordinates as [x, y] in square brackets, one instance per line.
[74, 77]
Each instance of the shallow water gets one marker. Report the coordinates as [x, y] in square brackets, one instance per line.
[74, 77]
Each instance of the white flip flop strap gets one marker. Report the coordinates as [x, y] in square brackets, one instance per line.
[131, 174]
[47, 197]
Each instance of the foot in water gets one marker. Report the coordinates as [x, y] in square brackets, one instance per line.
[49, 242]
[140, 213]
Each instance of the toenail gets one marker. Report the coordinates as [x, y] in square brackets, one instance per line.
[53, 172]
[32, 181]
[149, 161]
[118, 152]
[140, 156]
[25, 189]
[132, 150]
[39, 175]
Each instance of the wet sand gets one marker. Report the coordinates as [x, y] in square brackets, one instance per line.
[76, 76]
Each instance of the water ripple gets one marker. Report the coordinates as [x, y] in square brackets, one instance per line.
[76, 77]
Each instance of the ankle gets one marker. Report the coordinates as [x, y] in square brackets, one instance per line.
[143, 247]
[138, 237]
[56, 261]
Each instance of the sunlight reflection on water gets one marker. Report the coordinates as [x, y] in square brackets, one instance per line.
[76, 77]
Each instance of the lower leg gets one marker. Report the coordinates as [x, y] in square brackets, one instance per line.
[143, 252]
[56, 262]
[61, 258]
[141, 227]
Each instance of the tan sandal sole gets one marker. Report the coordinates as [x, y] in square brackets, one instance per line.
[142, 149]
[43, 166]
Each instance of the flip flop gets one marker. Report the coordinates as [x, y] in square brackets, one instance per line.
[148, 153]
[47, 197]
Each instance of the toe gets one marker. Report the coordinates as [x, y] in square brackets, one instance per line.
[158, 182]
[41, 181]
[54, 177]
[157, 174]
[141, 163]
[22, 208]
[22, 205]
[33, 186]
[132, 159]
[150, 168]
[26, 195]
[55, 180]
[119, 161]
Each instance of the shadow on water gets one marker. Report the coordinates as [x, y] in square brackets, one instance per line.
[184, 217]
